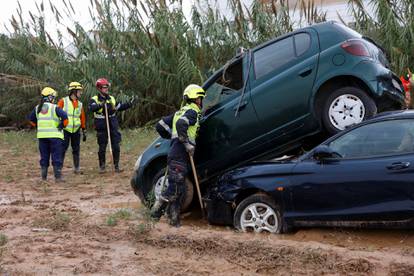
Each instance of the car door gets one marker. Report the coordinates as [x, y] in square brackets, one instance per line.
[282, 81]
[374, 179]
[226, 139]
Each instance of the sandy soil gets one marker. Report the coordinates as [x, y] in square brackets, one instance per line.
[94, 225]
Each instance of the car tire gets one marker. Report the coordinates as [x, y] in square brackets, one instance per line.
[345, 107]
[267, 217]
[157, 182]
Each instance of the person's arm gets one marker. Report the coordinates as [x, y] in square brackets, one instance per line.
[164, 126]
[63, 117]
[189, 118]
[83, 119]
[61, 103]
[122, 106]
[94, 106]
[32, 118]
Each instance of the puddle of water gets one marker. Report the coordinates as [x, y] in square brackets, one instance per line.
[4, 200]
[122, 205]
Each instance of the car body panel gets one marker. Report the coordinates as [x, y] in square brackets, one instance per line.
[339, 192]
[276, 113]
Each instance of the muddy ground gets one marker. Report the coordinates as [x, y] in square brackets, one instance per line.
[94, 225]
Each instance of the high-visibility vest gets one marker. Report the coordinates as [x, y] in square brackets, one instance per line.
[74, 114]
[192, 130]
[99, 113]
[48, 122]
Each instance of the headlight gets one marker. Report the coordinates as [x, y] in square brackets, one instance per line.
[138, 163]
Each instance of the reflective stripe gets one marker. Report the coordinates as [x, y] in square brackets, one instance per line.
[165, 126]
[185, 119]
[99, 116]
[47, 130]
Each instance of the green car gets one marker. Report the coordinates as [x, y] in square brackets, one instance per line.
[272, 99]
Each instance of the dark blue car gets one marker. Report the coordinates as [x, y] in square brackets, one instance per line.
[362, 177]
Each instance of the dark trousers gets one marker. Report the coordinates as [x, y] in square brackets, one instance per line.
[74, 140]
[51, 147]
[176, 189]
[102, 137]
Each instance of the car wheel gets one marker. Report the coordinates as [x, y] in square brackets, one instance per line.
[258, 213]
[159, 184]
[345, 107]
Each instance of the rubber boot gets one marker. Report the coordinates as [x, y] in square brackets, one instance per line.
[157, 209]
[174, 214]
[116, 155]
[44, 173]
[76, 168]
[101, 162]
[58, 174]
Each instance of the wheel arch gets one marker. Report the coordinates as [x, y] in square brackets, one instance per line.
[333, 84]
[152, 168]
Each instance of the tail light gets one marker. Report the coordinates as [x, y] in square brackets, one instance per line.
[356, 47]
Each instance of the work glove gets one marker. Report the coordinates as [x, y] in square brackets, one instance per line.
[133, 102]
[84, 135]
[189, 148]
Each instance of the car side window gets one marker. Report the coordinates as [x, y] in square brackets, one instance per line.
[273, 56]
[227, 85]
[302, 43]
[377, 139]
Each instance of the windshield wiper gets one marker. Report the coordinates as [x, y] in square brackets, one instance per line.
[245, 83]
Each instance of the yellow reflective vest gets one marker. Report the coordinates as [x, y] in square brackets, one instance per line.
[192, 130]
[48, 122]
[99, 113]
[74, 114]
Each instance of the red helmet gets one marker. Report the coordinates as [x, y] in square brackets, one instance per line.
[102, 82]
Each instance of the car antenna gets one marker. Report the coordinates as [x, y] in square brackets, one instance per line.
[245, 83]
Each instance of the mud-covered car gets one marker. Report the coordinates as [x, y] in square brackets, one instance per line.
[361, 177]
[271, 99]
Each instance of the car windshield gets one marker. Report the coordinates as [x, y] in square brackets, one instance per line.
[227, 85]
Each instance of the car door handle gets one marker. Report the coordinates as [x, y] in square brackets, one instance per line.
[305, 72]
[241, 106]
[398, 165]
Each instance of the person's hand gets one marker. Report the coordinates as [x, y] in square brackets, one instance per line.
[84, 135]
[133, 101]
[189, 148]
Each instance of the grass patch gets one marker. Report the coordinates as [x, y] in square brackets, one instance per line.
[57, 221]
[122, 214]
[137, 231]
[3, 239]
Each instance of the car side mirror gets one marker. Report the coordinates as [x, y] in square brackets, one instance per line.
[324, 152]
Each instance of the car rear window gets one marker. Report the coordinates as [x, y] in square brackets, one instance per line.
[273, 56]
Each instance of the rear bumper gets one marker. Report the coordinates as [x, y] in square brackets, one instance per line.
[390, 92]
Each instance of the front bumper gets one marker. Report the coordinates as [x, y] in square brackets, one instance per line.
[218, 211]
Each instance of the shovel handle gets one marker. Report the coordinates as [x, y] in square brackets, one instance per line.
[197, 185]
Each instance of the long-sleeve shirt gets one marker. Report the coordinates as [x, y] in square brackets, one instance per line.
[59, 112]
[75, 103]
[94, 106]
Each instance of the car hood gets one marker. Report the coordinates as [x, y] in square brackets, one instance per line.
[279, 168]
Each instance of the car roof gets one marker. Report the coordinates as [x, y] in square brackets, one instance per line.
[397, 114]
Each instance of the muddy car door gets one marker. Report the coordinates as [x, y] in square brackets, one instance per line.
[226, 139]
[282, 81]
